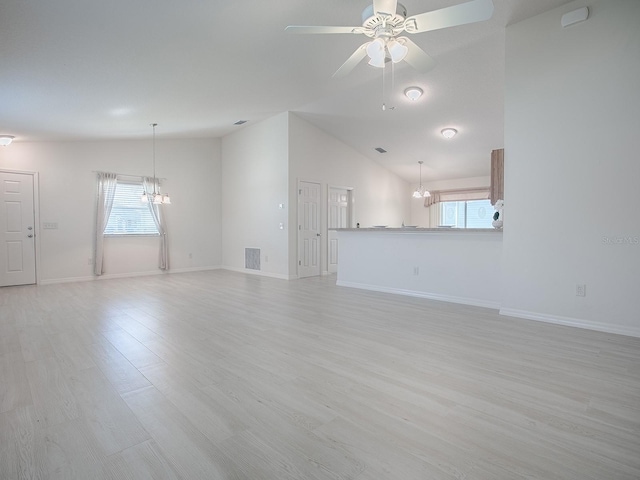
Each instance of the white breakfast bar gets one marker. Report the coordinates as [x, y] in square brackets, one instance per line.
[453, 265]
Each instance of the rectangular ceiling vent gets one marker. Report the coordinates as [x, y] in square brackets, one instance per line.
[240, 122]
[380, 150]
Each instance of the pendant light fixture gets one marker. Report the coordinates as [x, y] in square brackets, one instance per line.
[155, 197]
[421, 192]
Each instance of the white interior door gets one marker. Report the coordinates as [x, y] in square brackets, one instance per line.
[339, 217]
[17, 230]
[308, 229]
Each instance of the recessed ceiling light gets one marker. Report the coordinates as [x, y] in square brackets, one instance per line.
[380, 150]
[413, 93]
[120, 112]
[6, 140]
[448, 132]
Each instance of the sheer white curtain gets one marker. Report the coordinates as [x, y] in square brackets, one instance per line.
[434, 215]
[106, 192]
[156, 212]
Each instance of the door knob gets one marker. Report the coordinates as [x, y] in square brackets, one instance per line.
[30, 236]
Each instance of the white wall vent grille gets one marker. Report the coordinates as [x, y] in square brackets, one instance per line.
[252, 258]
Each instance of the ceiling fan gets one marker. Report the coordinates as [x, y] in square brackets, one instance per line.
[386, 20]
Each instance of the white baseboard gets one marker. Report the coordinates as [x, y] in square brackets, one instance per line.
[93, 278]
[431, 296]
[259, 273]
[571, 322]
[193, 269]
[52, 281]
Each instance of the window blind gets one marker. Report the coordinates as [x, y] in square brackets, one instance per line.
[129, 216]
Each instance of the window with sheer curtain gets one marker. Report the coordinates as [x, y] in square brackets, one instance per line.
[120, 212]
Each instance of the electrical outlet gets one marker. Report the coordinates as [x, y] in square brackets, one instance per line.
[416, 270]
[90, 262]
[581, 290]
[190, 255]
[266, 259]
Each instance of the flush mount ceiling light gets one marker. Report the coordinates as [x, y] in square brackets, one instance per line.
[155, 197]
[421, 192]
[448, 132]
[6, 140]
[413, 93]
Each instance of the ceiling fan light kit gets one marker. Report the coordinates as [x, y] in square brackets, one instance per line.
[397, 51]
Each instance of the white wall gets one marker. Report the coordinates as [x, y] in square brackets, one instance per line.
[68, 197]
[380, 197]
[571, 168]
[255, 181]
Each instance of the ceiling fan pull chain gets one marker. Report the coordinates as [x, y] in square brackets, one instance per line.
[387, 93]
[384, 69]
[393, 81]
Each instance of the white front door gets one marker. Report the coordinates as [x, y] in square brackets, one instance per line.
[339, 217]
[17, 230]
[308, 229]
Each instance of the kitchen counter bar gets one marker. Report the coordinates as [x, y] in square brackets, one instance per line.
[452, 265]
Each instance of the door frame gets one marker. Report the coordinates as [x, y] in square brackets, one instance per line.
[36, 213]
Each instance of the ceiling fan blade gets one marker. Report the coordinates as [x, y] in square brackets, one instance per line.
[385, 7]
[470, 12]
[417, 58]
[304, 29]
[352, 61]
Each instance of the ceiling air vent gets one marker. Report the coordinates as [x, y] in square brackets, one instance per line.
[380, 150]
[240, 122]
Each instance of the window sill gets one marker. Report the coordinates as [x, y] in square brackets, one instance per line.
[120, 235]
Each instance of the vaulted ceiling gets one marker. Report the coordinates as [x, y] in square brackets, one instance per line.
[78, 70]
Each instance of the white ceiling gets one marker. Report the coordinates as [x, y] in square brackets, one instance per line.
[80, 70]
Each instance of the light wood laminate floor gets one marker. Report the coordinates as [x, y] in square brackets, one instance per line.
[220, 375]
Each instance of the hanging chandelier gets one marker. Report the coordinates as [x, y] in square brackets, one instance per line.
[155, 197]
[421, 192]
